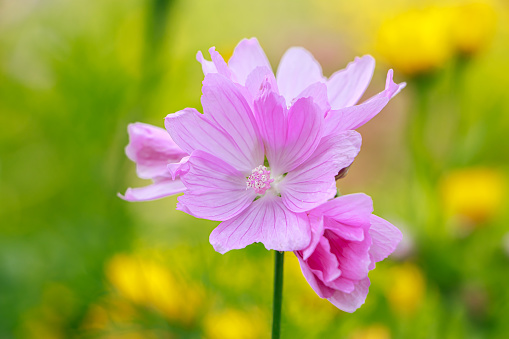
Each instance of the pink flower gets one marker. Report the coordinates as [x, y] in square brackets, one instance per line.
[347, 241]
[152, 149]
[257, 166]
[300, 75]
[265, 151]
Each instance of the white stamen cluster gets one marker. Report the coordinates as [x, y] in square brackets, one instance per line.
[259, 180]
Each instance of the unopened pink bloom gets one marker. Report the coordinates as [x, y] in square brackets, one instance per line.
[152, 149]
[257, 166]
[347, 241]
[300, 75]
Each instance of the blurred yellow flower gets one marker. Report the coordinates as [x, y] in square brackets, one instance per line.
[406, 289]
[41, 329]
[96, 318]
[474, 194]
[109, 311]
[416, 41]
[150, 284]
[235, 324]
[377, 331]
[473, 26]
[423, 40]
[48, 320]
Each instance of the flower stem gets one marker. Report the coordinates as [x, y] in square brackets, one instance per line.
[278, 294]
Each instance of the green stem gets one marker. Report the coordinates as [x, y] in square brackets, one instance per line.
[278, 294]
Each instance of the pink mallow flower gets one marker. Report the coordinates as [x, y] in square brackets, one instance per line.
[152, 149]
[257, 166]
[347, 241]
[300, 75]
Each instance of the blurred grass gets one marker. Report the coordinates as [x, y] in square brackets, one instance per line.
[74, 74]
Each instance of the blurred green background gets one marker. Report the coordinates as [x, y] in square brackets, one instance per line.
[78, 262]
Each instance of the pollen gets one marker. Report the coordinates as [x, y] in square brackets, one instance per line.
[259, 180]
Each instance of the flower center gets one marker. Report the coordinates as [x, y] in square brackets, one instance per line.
[259, 180]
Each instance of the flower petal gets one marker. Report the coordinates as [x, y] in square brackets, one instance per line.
[289, 138]
[206, 65]
[342, 284]
[297, 70]
[348, 232]
[317, 91]
[268, 221]
[323, 263]
[159, 189]
[177, 169]
[351, 209]
[151, 148]
[313, 183]
[215, 190]
[346, 87]
[349, 302]
[303, 135]
[317, 285]
[256, 79]
[217, 65]
[353, 117]
[225, 104]
[247, 56]
[193, 131]
[272, 119]
[385, 237]
[316, 223]
[221, 66]
[353, 256]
